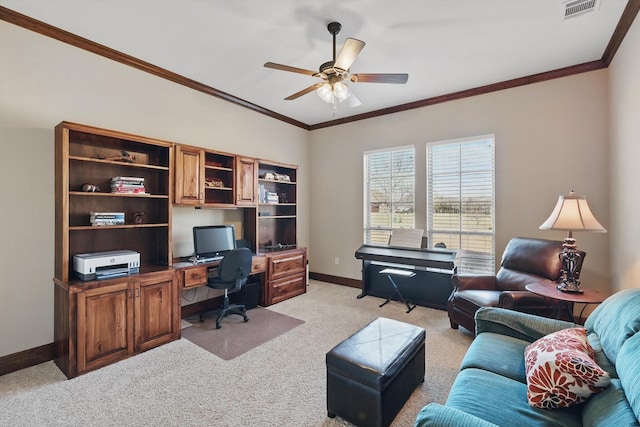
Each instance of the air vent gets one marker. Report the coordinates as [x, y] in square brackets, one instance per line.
[579, 7]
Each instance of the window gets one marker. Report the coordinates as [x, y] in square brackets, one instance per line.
[461, 201]
[389, 193]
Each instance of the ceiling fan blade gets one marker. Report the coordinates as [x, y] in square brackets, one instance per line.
[304, 91]
[348, 54]
[379, 78]
[288, 68]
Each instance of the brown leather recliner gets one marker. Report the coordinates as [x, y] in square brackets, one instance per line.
[524, 261]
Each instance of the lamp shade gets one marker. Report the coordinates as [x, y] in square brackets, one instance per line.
[572, 213]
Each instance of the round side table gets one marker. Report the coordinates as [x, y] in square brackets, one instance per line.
[566, 299]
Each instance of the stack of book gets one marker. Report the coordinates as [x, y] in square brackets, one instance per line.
[107, 218]
[127, 185]
[272, 197]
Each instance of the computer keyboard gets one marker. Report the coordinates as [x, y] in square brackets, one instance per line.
[211, 259]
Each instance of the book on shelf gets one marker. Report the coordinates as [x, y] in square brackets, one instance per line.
[106, 218]
[127, 185]
[106, 215]
[272, 197]
[128, 190]
[131, 179]
[99, 223]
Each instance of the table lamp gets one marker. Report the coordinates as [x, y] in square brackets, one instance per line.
[571, 214]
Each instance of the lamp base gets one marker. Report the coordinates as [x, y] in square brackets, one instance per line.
[569, 288]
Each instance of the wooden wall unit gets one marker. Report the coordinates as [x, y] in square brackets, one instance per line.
[101, 321]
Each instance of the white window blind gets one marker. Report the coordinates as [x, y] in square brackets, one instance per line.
[461, 201]
[389, 193]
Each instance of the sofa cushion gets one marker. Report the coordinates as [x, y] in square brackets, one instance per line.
[600, 357]
[609, 408]
[471, 300]
[561, 371]
[503, 401]
[500, 354]
[615, 320]
[628, 368]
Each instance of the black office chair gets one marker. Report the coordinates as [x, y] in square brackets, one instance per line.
[232, 275]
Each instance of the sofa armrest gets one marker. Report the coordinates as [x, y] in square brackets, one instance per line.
[462, 283]
[528, 327]
[436, 415]
[514, 299]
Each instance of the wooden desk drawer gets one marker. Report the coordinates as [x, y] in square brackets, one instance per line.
[286, 264]
[258, 264]
[196, 276]
[288, 287]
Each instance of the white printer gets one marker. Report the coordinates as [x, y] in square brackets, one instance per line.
[105, 265]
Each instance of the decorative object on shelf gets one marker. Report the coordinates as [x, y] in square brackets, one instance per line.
[283, 198]
[570, 214]
[90, 188]
[124, 156]
[138, 217]
[270, 176]
[127, 185]
[282, 177]
[214, 183]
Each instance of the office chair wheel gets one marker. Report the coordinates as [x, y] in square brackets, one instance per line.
[218, 325]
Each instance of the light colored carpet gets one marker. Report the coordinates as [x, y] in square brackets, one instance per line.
[237, 337]
[280, 383]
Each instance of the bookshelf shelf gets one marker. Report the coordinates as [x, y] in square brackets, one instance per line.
[98, 194]
[114, 162]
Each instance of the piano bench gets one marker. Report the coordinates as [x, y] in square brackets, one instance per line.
[371, 374]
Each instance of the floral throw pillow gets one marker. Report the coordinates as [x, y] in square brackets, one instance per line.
[561, 370]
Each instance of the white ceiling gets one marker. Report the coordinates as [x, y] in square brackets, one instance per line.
[444, 45]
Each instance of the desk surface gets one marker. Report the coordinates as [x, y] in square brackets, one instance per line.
[588, 296]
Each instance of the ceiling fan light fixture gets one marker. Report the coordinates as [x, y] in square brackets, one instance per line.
[341, 91]
[331, 93]
[325, 92]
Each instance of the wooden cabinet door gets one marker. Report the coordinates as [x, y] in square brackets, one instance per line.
[156, 310]
[246, 181]
[189, 176]
[104, 325]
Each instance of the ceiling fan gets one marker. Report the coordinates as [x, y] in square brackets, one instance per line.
[333, 73]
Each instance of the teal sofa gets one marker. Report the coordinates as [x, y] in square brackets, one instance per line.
[491, 388]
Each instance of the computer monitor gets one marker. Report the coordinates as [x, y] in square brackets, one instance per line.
[213, 240]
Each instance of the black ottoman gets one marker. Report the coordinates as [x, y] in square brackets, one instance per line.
[371, 374]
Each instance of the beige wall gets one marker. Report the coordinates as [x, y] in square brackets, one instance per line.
[551, 137]
[625, 161]
[43, 82]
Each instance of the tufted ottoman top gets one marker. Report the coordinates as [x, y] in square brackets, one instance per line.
[376, 353]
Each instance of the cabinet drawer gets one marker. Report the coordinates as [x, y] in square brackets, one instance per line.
[258, 264]
[288, 287]
[286, 264]
[195, 277]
